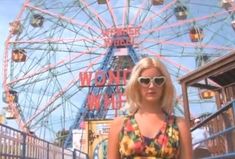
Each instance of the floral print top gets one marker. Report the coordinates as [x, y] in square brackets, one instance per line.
[165, 145]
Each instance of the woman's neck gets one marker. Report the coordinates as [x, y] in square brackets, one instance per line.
[146, 113]
[148, 107]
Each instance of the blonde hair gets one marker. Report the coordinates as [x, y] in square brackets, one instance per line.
[132, 94]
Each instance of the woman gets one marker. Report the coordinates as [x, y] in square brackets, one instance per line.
[150, 131]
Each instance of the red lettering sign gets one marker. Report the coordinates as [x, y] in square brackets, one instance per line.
[102, 78]
[120, 37]
[113, 101]
[85, 78]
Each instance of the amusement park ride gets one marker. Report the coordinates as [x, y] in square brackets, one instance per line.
[66, 63]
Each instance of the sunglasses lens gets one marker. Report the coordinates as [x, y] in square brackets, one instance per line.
[159, 80]
[144, 81]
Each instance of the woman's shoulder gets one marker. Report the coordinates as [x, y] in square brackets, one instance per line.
[178, 121]
[118, 122]
[182, 123]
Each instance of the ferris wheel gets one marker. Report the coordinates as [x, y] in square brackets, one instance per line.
[55, 49]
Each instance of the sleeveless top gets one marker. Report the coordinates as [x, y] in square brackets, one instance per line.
[165, 145]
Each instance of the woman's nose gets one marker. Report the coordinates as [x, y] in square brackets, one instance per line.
[151, 84]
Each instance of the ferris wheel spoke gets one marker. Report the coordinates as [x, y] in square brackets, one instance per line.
[114, 18]
[67, 19]
[98, 17]
[53, 30]
[51, 66]
[52, 100]
[149, 35]
[55, 40]
[166, 7]
[183, 22]
[194, 45]
[204, 4]
[48, 112]
[125, 14]
[218, 34]
[36, 75]
[140, 9]
[39, 79]
[57, 95]
[177, 65]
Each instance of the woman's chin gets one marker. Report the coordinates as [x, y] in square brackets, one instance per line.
[151, 99]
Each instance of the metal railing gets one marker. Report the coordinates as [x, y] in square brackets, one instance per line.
[15, 144]
[221, 141]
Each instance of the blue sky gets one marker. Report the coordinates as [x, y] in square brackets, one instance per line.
[8, 11]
